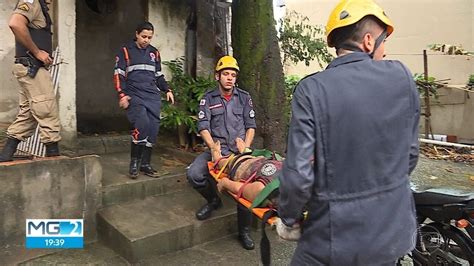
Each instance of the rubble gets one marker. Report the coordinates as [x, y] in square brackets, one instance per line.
[454, 154]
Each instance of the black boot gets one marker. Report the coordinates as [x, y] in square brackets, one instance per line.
[244, 219]
[145, 165]
[209, 192]
[136, 153]
[9, 149]
[52, 149]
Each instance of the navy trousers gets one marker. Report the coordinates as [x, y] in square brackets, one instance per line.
[144, 115]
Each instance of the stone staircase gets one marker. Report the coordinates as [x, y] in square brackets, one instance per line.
[154, 216]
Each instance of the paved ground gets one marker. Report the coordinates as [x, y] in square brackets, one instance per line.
[453, 177]
[439, 174]
[225, 251]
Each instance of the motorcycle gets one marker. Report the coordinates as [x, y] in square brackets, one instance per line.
[445, 232]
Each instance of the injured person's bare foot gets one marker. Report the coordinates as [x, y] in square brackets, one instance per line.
[240, 145]
[221, 184]
[216, 151]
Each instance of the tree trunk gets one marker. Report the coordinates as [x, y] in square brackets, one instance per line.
[255, 44]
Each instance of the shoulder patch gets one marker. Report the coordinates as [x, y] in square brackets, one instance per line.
[152, 56]
[24, 7]
[201, 115]
[252, 114]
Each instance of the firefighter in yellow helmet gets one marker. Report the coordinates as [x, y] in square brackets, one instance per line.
[358, 119]
[351, 24]
[225, 115]
[227, 62]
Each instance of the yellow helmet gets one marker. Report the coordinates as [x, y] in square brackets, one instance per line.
[227, 62]
[349, 12]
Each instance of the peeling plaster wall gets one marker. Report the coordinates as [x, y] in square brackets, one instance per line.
[9, 85]
[418, 24]
[169, 19]
[99, 37]
[65, 37]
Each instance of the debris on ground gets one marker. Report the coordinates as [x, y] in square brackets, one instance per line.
[454, 154]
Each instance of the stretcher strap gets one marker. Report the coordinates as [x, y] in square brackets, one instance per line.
[250, 179]
[216, 164]
[225, 165]
[265, 193]
[265, 254]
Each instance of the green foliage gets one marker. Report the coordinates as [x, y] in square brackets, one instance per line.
[470, 82]
[290, 83]
[449, 49]
[429, 84]
[301, 42]
[187, 93]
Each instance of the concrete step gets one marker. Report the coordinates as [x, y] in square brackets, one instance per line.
[119, 188]
[162, 224]
[132, 190]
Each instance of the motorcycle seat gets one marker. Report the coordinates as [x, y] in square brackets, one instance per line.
[434, 197]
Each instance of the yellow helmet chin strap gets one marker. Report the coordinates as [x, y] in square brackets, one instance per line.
[353, 47]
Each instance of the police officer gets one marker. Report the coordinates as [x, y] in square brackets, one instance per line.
[138, 82]
[225, 114]
[359, 120]
[31, 25]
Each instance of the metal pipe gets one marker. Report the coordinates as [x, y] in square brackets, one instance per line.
[442, 143]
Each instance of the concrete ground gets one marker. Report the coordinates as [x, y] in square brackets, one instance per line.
[227, 251]
[224, 251]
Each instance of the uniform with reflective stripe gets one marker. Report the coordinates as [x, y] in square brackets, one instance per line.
[138, 71]
[138, 74]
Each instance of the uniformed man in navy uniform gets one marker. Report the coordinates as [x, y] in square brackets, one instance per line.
[139, 82]
[225, 114]
[358, 119]
[31, 25]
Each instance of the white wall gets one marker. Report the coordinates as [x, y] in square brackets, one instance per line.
[8, 84]
[66, 38]
[418, 24]
[170, 30]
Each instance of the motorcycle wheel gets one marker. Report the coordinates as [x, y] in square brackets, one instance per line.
[456, 243]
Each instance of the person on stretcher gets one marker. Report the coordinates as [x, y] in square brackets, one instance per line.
[247, 175]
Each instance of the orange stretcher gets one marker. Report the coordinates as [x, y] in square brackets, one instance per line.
[259, 212]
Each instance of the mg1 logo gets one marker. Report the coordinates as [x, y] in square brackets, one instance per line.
[54, 233]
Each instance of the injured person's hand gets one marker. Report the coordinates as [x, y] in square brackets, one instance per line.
[240, 143]
[290, 233]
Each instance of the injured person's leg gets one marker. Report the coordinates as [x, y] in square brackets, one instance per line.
[250, 191]
[240, 169]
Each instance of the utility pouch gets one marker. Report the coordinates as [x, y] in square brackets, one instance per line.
[34, 65]
[31, 63]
